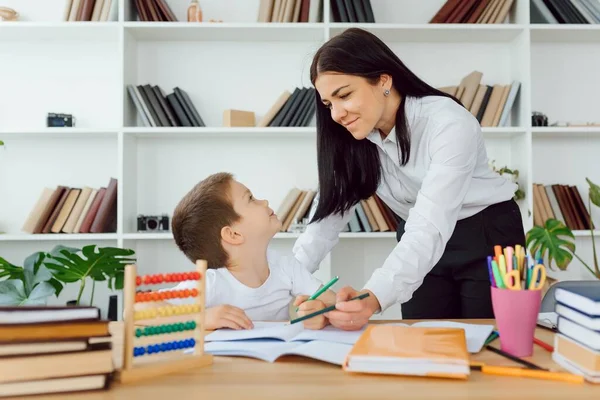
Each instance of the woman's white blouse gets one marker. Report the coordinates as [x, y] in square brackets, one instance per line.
[448, 178]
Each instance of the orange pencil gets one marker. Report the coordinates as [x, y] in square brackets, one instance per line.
[528, 373]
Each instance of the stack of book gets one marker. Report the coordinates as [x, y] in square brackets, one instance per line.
[74, 210]
[577, 343]
[91, 10]
[156, 109]
[560, 202]
[490, 104]
[370, 215]
[53, 350]
[291, 109]
[290, 11]
[473, 12]
[352, 11]
[565, 11]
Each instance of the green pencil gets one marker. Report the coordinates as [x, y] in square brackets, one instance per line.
[322, 290]
[326, 309]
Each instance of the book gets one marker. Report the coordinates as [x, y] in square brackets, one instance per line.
[56, 385]
[31, 315]
[271, 351]
[588, 337]
[32, 332]
[587, 321]
[581, 356]
[95, 360]
[585, 298]
[283, 332]
[410, 350]
[475, 334]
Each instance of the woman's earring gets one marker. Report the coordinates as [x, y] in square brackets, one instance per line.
[386, 92]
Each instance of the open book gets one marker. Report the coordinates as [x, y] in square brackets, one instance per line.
[282, 331]
[269, 350]
[269, 341]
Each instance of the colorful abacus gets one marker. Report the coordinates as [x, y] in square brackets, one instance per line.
[163, 329]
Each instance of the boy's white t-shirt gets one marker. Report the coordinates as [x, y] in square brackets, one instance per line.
[287, 279]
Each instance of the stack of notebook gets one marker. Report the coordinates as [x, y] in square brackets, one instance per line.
[577, 343]
[53, 350]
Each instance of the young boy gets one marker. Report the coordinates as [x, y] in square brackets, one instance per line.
[221, 222]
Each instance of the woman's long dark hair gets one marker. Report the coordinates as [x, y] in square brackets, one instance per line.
[349, 169]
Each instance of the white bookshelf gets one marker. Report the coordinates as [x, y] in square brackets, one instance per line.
[83, 68]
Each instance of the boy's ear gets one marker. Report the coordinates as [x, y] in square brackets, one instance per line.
[231, 236]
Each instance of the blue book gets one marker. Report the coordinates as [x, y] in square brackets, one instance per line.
[585, 299]
[587, 321]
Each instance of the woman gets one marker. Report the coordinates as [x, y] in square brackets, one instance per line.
[381, 129]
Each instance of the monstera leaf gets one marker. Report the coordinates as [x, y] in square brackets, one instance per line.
[547, 240]
[97, 263]
[33, 289]
[30, 285]
[32, 265]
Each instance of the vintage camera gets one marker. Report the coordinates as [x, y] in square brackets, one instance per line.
[539, 119]
[60, 120]
[153, 223]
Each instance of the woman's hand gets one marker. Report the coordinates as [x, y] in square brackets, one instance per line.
[355, 314]
[226, 316]
[308, 307]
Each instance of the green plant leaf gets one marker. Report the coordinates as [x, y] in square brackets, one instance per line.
[594, 192]
[34, 261]
[547, 240]
[39, 294]
[97, 263]
[12, 292]
[9, 270]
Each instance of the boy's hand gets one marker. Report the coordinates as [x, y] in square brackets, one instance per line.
[308, 307]
[226, 316]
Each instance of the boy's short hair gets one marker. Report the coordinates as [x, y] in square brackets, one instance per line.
[199, 218]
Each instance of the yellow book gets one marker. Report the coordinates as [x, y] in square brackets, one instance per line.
[410, 350]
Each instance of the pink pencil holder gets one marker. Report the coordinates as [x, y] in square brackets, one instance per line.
[516, 313]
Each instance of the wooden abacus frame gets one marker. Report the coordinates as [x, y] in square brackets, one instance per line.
[170, 362]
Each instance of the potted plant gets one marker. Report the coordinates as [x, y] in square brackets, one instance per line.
[45, 273]
[555, 241]
[512, 175]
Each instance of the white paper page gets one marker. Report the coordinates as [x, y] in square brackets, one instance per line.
[270, 350]
[330, 334]
[266, 350]
[331, 352]
[262, 330]
[475, 334]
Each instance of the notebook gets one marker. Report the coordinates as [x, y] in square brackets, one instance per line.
[410, 350]
[271, 351]
[585, 299]
[283, 331]
[475, 334]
